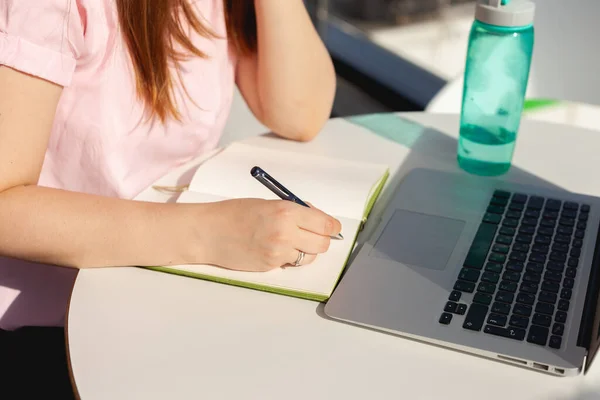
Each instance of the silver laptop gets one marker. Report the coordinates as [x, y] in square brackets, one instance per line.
[478, 265]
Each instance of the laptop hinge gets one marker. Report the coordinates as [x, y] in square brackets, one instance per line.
[589, 335]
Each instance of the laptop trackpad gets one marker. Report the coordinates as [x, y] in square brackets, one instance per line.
[418, 240]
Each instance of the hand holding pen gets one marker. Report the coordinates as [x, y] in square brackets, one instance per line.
[280, 190]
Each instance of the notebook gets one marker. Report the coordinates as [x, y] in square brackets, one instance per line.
[344, 189]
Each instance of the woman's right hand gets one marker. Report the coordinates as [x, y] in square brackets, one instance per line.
[260, 235]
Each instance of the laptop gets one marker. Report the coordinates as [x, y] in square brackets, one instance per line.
[495, 269]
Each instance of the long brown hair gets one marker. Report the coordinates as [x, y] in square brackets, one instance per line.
[153, 29]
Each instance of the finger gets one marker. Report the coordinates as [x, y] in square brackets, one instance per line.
[311, 243]
[316, 221]
[305, 260]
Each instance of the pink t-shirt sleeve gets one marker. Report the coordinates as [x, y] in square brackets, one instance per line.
[43, 38]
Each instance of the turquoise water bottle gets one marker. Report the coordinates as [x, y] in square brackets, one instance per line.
[495, 81]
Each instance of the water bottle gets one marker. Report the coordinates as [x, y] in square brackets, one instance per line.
[495, 82]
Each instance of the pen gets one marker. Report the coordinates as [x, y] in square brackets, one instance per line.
[279, 189]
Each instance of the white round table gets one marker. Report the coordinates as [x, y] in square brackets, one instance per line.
[138, 334]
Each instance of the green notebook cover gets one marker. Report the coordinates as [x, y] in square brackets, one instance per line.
[371, 200]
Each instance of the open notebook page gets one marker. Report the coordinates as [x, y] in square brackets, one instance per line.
[338, 187]
[317, 278]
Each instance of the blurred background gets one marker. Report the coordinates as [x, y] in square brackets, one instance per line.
[409, 55]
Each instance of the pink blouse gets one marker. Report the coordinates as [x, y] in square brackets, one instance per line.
[100, 141]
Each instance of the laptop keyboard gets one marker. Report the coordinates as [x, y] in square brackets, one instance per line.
[521, 269]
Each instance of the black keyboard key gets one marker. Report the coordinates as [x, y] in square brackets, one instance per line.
[503, 239]
[502, 194]
[570, 205]
[495, 210]
[526, 298]
[547, 297]
[585, 208]
[516, 206]
[505, 297]
[537, 257]
[517, 256]
[522, 309]
[461, 309]
[482, 298]
[450, 307]
[480, 246]
[571, 273]
[534, 267]
[532, 213]
[575, 253]
[496, 257]
[508, 231]
[530, 221]
[548, 223]
[540, 248]
[455, 296]
[490, 218]
[566, 222]
[538, 335]
[529, 287]
[577, 243]
[499, 201]
[555, 266]
[519, 198]
[583, 217]
[501, 248]
[558, 329]
[561, 317]
[501, 308]
[508, 286]
[446, 318]
[510, 222]
[542, 239]
[560, 247]
[563, 305]
[550, 286]
[569, 214]
[579, 234]
[544, 308]
[568, 283]
[559, 257]
[564, 230]
[475, 317]
[573, 261]
[562, 239]
[532, 277]
[513, 214]
[462, 286]
[519, 322]
[522, 238]
[555, 342]
[468, 274]
[511, 276]
[553, 276]
[486, 288]
[493, 267]
[566, 294]
[549, 214]
[542, 320]
[510, 333]
[581, 225]
[521, 247]
[553, 205]
[515, 266]
[497, 319]
[535, 202]
[527, 229]
[490, 277]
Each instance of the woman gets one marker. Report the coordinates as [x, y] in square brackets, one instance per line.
[102, 97]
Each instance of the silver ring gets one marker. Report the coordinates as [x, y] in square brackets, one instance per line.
[299, 259]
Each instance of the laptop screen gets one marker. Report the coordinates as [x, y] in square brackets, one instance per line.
[590, 327]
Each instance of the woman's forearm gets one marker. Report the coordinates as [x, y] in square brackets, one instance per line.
[85, 231]
[295, 75]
